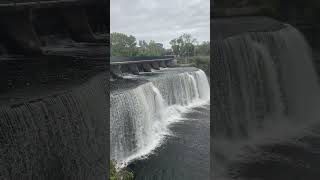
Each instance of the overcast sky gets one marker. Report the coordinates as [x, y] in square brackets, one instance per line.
[161, 20]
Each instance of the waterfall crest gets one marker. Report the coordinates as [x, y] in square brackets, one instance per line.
[139, 117]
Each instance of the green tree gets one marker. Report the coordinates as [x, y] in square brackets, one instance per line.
[203, 49]
[123, 45]
[150, 49]
[183, 46]
[143, 47]
[175, 46]
[119, 175]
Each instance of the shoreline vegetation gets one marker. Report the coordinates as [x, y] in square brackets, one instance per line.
[185, 46]
[200, 62]
[122, 174]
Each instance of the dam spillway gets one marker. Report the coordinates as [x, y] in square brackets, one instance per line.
[142, 108]
[265, 100]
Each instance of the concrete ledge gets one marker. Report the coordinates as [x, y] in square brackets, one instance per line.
[146, 67]
[162, 64]
[226, 27]
[155, 65]
[133, 68]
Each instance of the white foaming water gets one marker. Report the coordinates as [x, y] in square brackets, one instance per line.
[140, 117]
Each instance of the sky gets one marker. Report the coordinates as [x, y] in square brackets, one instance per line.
[161, 20]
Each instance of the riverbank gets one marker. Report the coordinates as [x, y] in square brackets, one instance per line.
[201, 62]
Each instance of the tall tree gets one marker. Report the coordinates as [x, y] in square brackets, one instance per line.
[183, 46]
[203, 49]
[150, 49]
[123, 45]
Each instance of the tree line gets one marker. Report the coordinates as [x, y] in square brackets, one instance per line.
[183, 46]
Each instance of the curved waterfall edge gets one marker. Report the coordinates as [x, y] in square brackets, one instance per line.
[65, 134]
[154, 110]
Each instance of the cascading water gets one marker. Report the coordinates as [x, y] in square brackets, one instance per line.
[139, 117]
[263, 83]
[57, 136]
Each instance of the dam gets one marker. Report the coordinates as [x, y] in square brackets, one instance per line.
[143, 110]
[265, 101]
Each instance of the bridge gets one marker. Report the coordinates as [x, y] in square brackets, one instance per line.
[135, 65]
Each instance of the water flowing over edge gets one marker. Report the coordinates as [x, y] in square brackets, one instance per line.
[140, 117]
[57, 136]
[266, 93]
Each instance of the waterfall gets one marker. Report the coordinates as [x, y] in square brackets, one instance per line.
[265, 96]
[60, 135]
[139, 117]
[262, 78]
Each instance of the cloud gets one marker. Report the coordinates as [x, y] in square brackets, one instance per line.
[161, 20]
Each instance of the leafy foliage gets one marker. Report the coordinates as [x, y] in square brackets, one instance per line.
[123, 45]
[151, 49]
[119, 175]
[203, 49]
[186, 46]
[183, 46]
